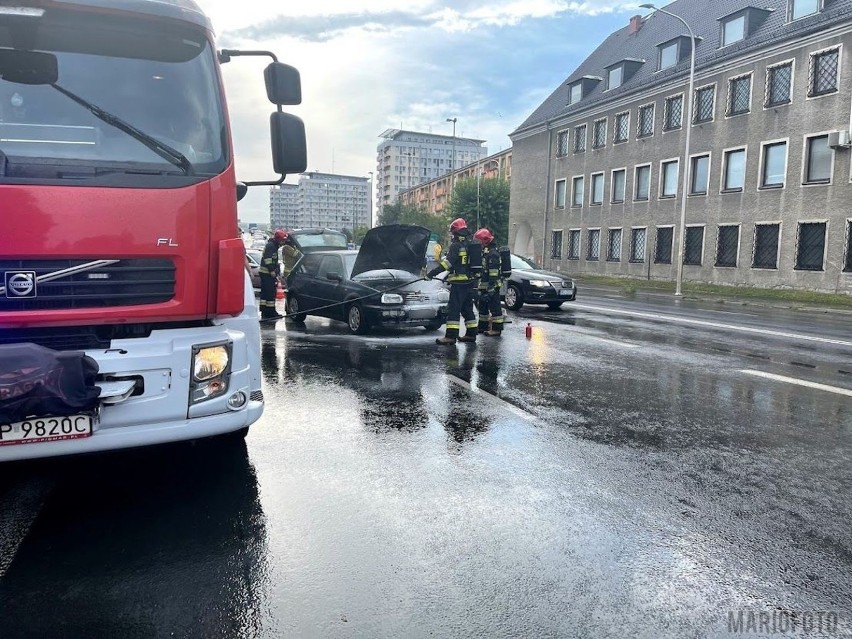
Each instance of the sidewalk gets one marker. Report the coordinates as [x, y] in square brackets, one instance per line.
[632, 289]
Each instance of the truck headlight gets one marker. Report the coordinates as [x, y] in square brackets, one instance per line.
[211, 371]
[443, 296]
[391, 298]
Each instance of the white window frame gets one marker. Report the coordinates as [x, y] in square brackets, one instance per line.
[723, 169]
[780, 225]
[653, 106]
[827, 223]
[609, 71]
[806, 158]
[739, 243]
[556, 184]
[769, 67]
[615, 128]
[678, 185]
[811, 54]
[790, 5]
[605, 132]
[703, 228]
[763, 145]
[636, 180]
[722, 42]
[666, 112]
[630, 248]
[692, 157]
[562, 245]
[571, 86]
[592, 177]
[847, 247]
[588, 232]
[730, 101]
[585, 127]
[695, 92]
[567, 134]
[620, 244]
[579, 244]
[612, 199]
[574, 190]
[677, 43]
[674, 253]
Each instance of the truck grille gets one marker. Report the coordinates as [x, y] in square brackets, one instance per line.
[123, 283]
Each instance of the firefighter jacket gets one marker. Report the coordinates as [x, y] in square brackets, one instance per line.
[456, 263]
[491, 279]
[269, 261]
[290, 255]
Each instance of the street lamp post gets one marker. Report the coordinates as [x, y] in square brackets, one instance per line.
[370, 197]
[453, 163]
[685, 169]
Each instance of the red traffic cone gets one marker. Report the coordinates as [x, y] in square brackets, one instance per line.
[279, 292]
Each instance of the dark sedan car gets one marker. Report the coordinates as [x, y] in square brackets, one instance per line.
[378, 285]
[531, 285]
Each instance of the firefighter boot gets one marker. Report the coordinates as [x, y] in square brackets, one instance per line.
[446, 341]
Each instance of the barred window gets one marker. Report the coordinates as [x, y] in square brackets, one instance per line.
[663, 248]
[613, 246]
[643, 182]
[577, 189]
[824, 67]
[559, 195]
[597, 188]
[739, 95]
[562, 144]
[619, 178]
[593, 253]
[779, 84]
[705, 100]
[766, 246]
[847, 263]
[673, 113]
[700, 175]
[727, 245]
[818, 160]
[646, 121]
[734, 170]
[580, 138]
[599, 134]
[556, 245]
[637, 245]
[810, 246]
[693, 250]
[574, 244]
[622, 127]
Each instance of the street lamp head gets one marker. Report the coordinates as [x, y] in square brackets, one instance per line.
[453, 120]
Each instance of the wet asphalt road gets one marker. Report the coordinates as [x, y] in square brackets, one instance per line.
[629, 471]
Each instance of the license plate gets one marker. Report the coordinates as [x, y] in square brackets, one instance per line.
[565, 291]
[45, 429]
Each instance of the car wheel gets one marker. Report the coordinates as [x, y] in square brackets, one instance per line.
[553, 305]
[514, 297]
[356, 320]
[293, 309]
[433, 326]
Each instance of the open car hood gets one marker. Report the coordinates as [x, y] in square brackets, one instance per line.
[396, 246]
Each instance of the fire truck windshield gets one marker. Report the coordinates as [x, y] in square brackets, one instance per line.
[158, 78]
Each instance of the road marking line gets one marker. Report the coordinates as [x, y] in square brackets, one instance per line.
[506, 405]
[800, 382]
[733, 327]
[20, 511]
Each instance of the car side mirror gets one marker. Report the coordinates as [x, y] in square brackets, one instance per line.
[334, 277]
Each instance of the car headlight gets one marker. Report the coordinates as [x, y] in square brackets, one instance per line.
[443, 296]
[211, 371]
[539, 283]
[391, 298]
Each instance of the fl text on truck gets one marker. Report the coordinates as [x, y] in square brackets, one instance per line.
[126, 314]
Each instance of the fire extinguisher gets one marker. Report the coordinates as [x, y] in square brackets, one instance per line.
[529, 330]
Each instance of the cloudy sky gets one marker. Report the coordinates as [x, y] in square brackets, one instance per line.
[371, 66]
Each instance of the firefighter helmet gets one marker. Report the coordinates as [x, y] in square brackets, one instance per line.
[280, 235]
[458, 225]
[485, 236]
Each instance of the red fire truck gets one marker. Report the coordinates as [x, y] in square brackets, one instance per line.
[126, 315]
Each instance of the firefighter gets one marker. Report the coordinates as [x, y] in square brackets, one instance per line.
[490, 283]
[269, 271]
[461, 276]
[290, 255]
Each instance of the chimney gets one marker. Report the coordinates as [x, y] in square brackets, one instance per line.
[635, 24]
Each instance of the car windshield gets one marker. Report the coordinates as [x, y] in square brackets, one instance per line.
[522, 264]
[331, 239]
[158, 78]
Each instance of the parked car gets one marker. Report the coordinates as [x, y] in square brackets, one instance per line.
[529, 284]
[378, 285]
[253, 258]
[309, 240]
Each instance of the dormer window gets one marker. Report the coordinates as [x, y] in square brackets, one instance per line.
[579, 89]
[614, 77]
[674, 51]
[620, 72]
[741, 24]
[576, 93]
[733, 30]
[802, 8]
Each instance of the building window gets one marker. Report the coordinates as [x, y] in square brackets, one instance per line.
[646, 121]
[615, 77]
[774, 165]
[580, 138]
[847, 263]
[818, 160]
[733, 170]
[622, 127]
[562, 144]
[556, 245]
[663, 248]
[643, 182]
[700, 175]
[613, 246]
[739, 95]
[810, 246]
[673, 113]
[733, 30]
[669, 55]
[574, 244]
[802, 8]
[779, 84]
[824, 67]
[668, 186]
[593, 253]
[693, 250]
[619, 178]
[597, 188]
[727, 245]
[575, 93]
[766, 246]
[705, 101]
[577, 188]
[599, 134]
[637, 245]
[559, 195]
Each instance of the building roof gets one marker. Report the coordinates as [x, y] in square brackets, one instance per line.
[704, 18]
[394, 134]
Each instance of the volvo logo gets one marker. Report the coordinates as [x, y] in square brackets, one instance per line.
[20, 284]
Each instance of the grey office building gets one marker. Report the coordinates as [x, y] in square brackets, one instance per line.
[321, 200]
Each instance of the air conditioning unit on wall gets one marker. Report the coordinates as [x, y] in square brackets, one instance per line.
[839, 140]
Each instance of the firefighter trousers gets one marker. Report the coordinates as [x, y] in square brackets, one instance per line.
[268, 290]
[489, 306]
[461, 305]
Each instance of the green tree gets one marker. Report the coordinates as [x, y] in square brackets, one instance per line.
[489, 203]
[359, 233]
[407, 214]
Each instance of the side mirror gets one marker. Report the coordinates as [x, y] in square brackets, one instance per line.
[283, 84]
[289, 145]
[242, 189]
[334, 277]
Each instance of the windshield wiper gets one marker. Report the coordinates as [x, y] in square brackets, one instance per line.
[160, 148]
